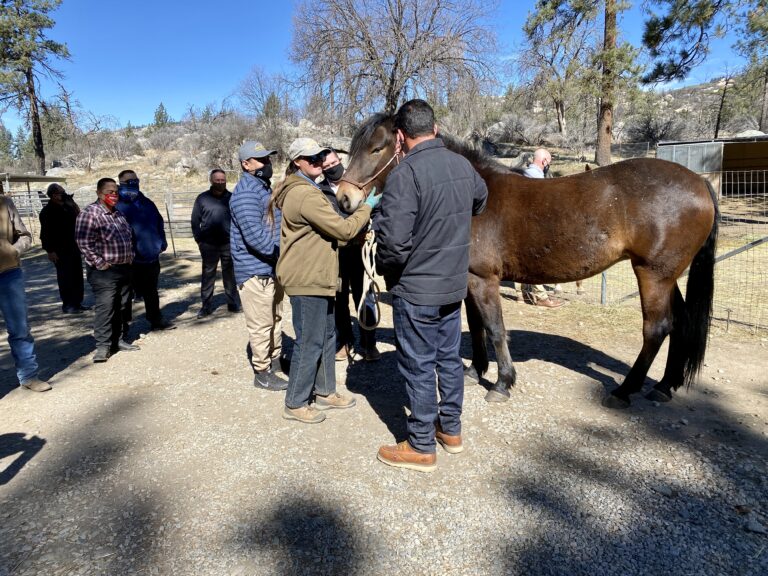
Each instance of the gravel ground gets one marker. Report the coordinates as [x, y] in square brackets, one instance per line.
[168, 461]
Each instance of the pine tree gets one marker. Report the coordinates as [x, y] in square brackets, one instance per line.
[25, 54]
[161, 116]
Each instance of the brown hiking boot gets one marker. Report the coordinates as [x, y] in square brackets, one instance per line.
[451, 444]
[403, 456]
[549, 302]
[36, 385]
[306, 414]
[334, 400]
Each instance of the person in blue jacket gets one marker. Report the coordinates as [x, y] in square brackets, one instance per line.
[149, 242]
[255, 244]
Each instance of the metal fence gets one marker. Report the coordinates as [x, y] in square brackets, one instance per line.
[741, 272]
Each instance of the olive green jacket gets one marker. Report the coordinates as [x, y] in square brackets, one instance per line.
[309, 238]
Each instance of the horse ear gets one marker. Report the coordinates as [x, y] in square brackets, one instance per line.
[587, 168]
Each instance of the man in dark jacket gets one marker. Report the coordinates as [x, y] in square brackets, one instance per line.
[423, 236]
[57, 235]
[149, 242]
[210, 227]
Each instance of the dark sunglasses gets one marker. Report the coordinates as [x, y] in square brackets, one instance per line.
[316, 159]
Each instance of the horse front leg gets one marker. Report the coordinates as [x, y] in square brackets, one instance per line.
[656, 297]
[487, 302]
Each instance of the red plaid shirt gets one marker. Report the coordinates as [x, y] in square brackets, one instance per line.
[103, 237]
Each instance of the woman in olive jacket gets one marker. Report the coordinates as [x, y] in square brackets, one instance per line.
[308, 270]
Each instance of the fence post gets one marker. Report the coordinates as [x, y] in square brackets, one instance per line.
[603, 289]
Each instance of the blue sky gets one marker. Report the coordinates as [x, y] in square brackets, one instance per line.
[127, 57]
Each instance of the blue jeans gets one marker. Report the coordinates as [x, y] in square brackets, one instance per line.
[427, 340]
[313, 366]
[13, 305]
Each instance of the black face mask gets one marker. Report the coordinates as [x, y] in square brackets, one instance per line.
[265, 172]
[334, 173]
[219, 187]
[546, 169]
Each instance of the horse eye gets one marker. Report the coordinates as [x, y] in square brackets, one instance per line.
[377, 150]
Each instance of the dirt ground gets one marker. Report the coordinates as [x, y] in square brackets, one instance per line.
[168, 461]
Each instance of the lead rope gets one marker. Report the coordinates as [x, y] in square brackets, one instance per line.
[371, 290]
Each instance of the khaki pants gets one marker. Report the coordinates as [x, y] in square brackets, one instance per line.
[262, 300]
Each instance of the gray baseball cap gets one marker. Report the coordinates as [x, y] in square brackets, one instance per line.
[305, 147]
[253, 149]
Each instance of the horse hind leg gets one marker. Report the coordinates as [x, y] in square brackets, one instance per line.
[656, 297]
[675, 368]
[479, 366]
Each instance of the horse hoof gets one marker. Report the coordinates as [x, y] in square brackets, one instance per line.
[470, 376]
[658, 396]
[494, 395]
[615, 402]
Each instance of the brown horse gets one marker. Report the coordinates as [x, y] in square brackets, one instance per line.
[657, 214]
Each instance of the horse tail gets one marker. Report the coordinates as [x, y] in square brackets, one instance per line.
[698, 300]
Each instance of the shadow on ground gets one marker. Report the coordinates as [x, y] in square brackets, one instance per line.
[304, 536]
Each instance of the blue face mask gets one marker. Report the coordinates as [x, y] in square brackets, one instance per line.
[127, 194]
[129, 189]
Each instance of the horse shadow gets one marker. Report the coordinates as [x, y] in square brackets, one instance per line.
[571, 354]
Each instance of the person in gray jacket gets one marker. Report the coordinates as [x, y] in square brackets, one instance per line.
[211, 222]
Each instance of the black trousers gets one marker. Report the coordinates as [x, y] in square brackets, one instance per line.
[351, 271]
[144, 279]
[212, 254]
[112, 295]
[69, 275]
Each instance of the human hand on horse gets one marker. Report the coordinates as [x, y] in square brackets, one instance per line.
[373, 199]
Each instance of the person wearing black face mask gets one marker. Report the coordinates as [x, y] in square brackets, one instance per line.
[210, 227]
[255, 245]
[351, 273]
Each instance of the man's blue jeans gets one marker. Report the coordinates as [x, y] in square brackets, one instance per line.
[313, 366]
[13, 305]
[427, 340]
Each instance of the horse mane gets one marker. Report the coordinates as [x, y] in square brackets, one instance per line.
[366, 129]
[479, 159]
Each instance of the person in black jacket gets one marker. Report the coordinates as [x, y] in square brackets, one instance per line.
[57, 235]
[423, 236]
[211, 221]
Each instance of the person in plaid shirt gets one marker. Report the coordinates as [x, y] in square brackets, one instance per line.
[104, 238]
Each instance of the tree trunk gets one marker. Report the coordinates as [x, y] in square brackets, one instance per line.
[605, 116]
[764, 112]
[720, 109]
[34, 121]
[560, 110]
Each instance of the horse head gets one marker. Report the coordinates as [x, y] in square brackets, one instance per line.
[371, 157]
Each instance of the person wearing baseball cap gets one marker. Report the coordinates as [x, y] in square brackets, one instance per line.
[255, 244]
[308, 270]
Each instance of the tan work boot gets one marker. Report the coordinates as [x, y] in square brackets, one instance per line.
[402, 455]
[342, 354]
[36, 385]
[451, 444]
[306, 414]
[334, 400]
